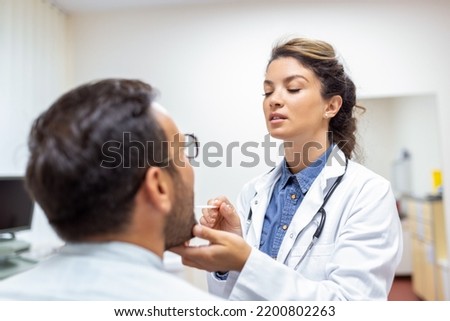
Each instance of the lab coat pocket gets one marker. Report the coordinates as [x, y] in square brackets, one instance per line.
[314, 264]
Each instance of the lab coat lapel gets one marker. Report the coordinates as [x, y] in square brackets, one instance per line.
[312, 202]
[259, 204]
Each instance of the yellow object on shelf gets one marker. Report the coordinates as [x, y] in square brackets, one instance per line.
[437, 180]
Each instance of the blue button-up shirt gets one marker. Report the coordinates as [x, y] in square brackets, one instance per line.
[287, 195]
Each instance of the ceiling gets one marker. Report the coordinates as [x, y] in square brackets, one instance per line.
[79, 6]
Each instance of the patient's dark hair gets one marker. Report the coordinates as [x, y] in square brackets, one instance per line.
[87, 156]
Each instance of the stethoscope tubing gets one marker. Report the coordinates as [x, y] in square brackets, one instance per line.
[320, 226]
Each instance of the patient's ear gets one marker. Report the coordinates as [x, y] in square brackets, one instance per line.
[157, 187]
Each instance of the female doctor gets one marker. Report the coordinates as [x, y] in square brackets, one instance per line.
[319, 226]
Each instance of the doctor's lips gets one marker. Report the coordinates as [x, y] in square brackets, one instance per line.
[276, 117]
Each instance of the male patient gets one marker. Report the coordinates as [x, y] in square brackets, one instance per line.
[108, 167]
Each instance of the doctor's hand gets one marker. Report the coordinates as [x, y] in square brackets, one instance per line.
[223, 218]
[226, 251]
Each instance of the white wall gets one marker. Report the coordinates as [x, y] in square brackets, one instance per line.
[33, 72]
[375, 134]
[417, 132]
[33, 39]
[209, 61]
[390, 125]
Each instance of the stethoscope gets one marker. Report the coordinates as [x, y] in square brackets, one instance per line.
[323, 218]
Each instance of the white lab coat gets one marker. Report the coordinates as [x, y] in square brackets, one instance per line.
[355, 257]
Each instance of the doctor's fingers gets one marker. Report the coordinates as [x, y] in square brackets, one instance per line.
[198, 257]
[227, 220]
[224, 209]
[191, 257]
[195, 264]
[219, 201]
[228, 240]
[210, 215]
[222, 199]
[209, 222]
[228, 212]
[225, 248]
[215, 257]
[209, 234]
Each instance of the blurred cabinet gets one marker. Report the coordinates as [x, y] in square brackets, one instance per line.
[429, 248]
[405, 266]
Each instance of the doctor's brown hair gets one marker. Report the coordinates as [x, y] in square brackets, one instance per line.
[320, 57]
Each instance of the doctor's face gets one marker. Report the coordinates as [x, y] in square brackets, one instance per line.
[293, 105]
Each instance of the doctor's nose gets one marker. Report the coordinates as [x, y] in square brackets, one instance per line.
[275, 100]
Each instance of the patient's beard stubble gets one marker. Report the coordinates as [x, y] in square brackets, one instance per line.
[181, 219]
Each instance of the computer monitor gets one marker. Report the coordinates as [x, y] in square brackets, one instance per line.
[16, 213]
[16, 206]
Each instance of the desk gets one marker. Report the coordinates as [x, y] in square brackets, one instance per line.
[10, 260]
[14, 265]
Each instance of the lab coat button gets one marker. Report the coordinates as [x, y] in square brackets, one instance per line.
[256, 202]
[291, 235]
